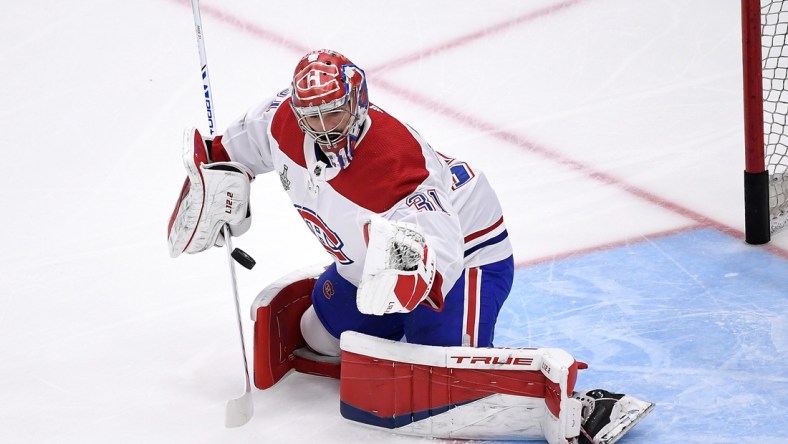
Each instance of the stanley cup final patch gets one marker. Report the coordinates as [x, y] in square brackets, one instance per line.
[284, 179]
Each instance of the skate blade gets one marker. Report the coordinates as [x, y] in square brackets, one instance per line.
[619, 431]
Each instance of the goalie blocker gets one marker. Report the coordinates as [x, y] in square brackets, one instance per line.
[439, 392]
[213, 194]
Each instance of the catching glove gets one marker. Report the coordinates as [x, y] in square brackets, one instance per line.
[399, 269]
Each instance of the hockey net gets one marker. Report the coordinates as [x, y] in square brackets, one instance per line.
[774, 63]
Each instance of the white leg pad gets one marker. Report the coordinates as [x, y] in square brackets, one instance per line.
[459, 392]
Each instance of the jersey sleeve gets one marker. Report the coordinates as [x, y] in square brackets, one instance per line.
[246, 140]
[430, 209]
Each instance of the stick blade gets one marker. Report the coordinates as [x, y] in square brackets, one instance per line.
[239, 411]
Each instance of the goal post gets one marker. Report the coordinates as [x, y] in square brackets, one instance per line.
[765, 74]
[756, 201]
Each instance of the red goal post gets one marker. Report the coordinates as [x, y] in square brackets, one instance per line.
[765, 70]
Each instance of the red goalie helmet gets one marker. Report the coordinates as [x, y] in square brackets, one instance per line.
[329, 99]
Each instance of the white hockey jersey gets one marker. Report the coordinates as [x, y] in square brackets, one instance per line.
[394, 173]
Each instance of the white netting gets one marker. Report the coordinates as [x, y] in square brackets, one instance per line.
[774, 36]
[406, 249]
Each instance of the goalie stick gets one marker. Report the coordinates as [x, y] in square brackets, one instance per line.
[238, 411]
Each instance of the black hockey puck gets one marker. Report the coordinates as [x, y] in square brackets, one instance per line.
[242, 258]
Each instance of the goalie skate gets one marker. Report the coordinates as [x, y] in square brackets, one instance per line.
[607, 416]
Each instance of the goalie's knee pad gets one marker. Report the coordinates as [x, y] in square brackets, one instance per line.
[316, 335]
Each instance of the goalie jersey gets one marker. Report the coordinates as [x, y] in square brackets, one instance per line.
[394, 173]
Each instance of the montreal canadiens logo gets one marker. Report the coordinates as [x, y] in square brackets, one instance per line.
[316, 80]
[331, 242]
[328, 289]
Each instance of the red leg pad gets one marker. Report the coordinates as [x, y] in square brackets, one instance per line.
[459, 392]
[277, 332]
